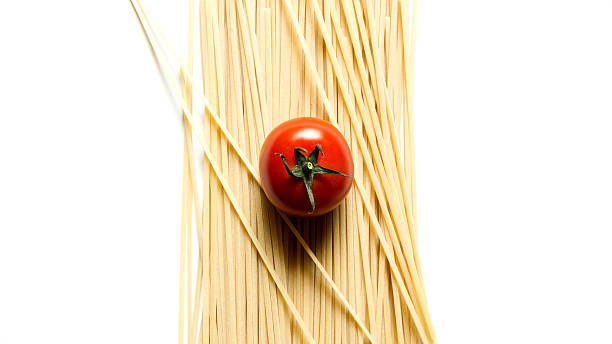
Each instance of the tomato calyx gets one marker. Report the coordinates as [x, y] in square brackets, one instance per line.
[306, 168]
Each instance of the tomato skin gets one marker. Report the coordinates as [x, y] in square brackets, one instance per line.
[288, 193]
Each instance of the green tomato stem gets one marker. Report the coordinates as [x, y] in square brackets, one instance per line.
[306, 168]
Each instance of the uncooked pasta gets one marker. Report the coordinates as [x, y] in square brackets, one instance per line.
[248, 272]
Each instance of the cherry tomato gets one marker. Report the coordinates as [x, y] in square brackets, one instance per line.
[306, 167]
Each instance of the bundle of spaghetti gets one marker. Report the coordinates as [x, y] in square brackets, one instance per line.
[249, 273]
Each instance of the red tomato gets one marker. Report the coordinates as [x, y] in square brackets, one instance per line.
[306, 167]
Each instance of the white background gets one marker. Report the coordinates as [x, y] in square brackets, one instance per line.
[514, 168]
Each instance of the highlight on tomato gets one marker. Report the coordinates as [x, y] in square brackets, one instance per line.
[306, 167]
